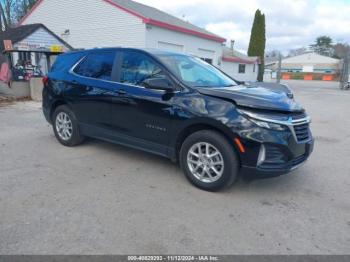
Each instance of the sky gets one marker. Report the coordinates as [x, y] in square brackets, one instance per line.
[290, 24]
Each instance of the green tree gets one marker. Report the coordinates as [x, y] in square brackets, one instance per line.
[323, 45]
[258, 41]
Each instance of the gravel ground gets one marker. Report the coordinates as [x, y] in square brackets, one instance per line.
[100, 198]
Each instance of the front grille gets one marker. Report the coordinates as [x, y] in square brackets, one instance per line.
[302, 132]
[299, 116]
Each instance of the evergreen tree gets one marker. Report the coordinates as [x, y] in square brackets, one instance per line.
[258, 41]
[323, 45]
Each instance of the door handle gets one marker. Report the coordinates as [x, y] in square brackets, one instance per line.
[121, 92]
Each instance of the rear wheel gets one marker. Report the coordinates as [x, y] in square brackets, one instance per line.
[209, 160]
[65, 127]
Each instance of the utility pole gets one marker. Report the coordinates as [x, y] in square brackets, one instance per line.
[279, 74]
[344, 77]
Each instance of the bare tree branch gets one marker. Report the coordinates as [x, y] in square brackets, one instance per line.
[5, 24]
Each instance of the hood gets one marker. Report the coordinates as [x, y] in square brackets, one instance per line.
[257, 97]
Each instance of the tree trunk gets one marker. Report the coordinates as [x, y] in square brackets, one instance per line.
[0, 23]
[261, 70]
[8, 6]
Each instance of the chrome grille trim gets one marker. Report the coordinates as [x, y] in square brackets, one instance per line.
[290, 123]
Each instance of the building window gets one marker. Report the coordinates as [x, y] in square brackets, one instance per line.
[241, 69]
[208, 60]
[24, 57]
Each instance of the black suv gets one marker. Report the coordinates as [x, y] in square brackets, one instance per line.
[180, 107]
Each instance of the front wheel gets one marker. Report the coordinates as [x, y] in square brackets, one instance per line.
[209, 161]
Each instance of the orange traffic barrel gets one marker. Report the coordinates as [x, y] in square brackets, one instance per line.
[327, 78]
[285, 76]
[307, 77]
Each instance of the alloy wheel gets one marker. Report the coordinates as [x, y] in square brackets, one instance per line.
[205, 162]
[64, 126]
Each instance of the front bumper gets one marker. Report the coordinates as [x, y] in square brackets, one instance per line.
[289, 160]
[271, 153]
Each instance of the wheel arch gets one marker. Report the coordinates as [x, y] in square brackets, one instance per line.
[56, 104]
[193, 127]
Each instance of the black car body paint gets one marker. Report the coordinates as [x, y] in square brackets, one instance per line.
[157, 121]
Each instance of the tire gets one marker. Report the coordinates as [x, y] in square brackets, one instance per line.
[225, 174]
[63, 114]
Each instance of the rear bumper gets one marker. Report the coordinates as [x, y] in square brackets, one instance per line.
[46, 113]
[47, 104]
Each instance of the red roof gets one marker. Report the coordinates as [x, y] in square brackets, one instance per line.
[152, 16]
[233, 56]
[237, 60]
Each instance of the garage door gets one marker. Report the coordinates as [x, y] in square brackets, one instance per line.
[206, 55]
[170, 47]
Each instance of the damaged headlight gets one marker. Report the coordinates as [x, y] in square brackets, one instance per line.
[268, 125]
[268, 121]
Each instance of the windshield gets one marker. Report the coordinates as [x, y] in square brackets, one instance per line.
[195, 72]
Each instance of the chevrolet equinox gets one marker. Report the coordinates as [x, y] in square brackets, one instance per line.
[180, 107]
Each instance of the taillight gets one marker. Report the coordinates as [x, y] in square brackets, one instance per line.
[45, 80]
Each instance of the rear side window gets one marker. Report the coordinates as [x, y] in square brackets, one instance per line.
[65, 62]
[97, 65]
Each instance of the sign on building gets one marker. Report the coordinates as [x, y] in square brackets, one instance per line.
[8, 45]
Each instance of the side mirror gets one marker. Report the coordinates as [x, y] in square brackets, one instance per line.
[158, 84]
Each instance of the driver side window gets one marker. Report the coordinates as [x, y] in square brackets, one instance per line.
[137, 67]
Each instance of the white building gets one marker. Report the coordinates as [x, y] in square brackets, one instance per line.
[308, 63]
[238, 65]
[108, 23]
[311, 63]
